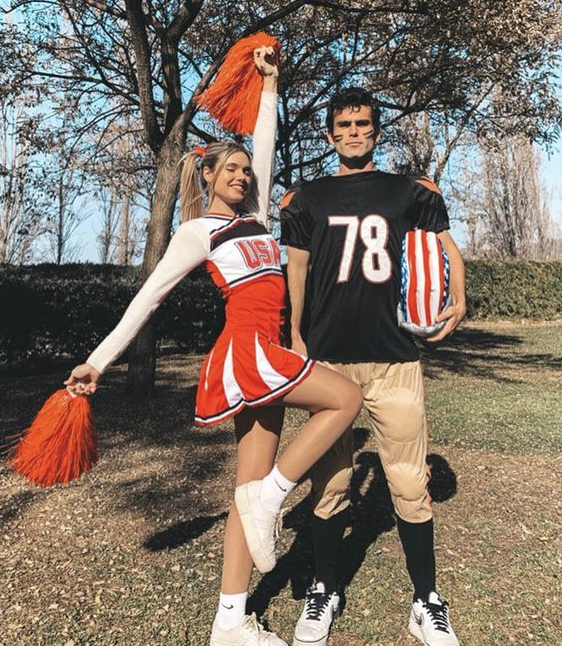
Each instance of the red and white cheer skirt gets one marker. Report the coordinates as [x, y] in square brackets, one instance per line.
[245, 368]
[247, 365]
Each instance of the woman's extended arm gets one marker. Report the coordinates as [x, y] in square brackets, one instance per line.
[188, 248]
[264, 132]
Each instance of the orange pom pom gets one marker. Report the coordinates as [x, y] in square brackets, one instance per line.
[61, 443]
[234, 97]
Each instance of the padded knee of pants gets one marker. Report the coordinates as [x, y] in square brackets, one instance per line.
[407, 482]
[408, 490]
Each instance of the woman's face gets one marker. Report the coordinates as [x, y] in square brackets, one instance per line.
[233, 181]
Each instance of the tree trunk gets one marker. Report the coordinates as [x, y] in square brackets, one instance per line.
[60, 228]
[124, 253]
[140, 376]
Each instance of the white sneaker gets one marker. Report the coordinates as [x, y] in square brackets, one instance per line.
[261, 526]
[248, 633]
[320, 610]
[430, 623]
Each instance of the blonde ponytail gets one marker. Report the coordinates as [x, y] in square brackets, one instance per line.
[191, 195]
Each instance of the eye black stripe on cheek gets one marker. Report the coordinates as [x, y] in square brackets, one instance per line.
[338, 138]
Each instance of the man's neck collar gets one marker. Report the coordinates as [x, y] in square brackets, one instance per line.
[350, 169]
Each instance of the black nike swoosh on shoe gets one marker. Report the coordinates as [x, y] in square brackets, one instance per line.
[418, 620]
[227, 607]
[280, 487]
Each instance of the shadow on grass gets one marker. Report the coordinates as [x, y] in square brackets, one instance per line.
[372, 514]
[182, 533]
[188, 456]
[17, 504]
[189, 460]
[482, 353]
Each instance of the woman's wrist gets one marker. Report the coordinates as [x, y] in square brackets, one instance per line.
[270, 84]
[96, 371]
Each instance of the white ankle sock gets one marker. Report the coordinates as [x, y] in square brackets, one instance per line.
[275, 489]
[232, 608]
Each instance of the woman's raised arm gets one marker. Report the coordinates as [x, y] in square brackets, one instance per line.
[265, 130]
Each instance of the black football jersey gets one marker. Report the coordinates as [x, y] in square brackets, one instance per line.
[353, 226]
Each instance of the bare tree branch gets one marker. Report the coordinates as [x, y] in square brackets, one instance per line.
[139, 37]
[184, 18]
[460, 128]
[103, 6]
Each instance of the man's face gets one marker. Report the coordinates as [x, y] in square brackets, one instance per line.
[353, 134]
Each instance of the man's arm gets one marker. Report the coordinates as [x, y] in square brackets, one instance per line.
[297, 270]
[455, 313]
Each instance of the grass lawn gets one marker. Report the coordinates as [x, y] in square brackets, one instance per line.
[510, 382]
[131, 554]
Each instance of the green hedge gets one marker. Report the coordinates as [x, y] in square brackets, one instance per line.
[50, 311]
[514, 289]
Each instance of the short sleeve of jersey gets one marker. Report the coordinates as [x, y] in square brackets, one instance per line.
[296, 222]
[428, 211]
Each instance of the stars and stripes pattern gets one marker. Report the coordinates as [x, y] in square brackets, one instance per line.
[424, 291]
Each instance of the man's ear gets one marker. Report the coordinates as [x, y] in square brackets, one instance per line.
[330, 138]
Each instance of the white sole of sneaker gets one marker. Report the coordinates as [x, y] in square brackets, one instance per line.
[319, 642]
[416, 631]
[262, 561]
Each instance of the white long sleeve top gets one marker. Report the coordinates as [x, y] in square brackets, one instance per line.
[192, 243]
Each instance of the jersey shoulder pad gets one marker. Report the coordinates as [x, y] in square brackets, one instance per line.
[293, 190]
[424, 182]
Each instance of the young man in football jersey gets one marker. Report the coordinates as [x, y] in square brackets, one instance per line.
[344, 234]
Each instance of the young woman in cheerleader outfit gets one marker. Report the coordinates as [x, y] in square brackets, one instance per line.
[247, 367]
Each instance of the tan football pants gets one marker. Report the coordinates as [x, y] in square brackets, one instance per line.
[394, 398]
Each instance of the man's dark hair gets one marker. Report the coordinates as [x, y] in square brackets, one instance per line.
[352, 97]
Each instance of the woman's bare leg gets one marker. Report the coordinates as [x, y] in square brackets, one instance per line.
[257, 434]
[334, 402]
